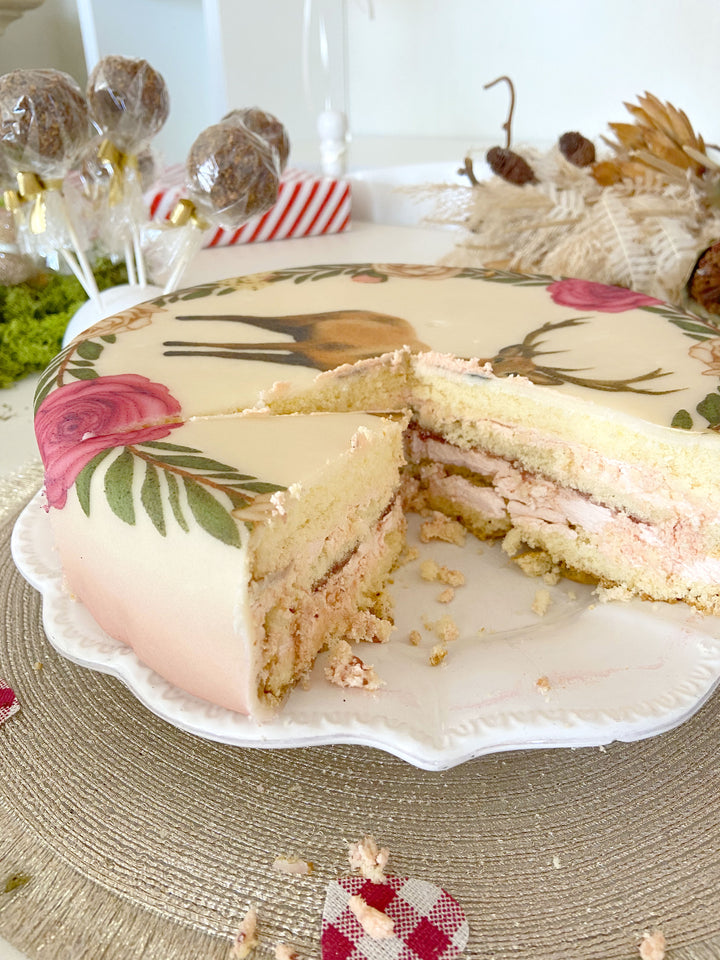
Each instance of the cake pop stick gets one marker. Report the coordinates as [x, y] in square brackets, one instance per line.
[129, 102]
[44, 124]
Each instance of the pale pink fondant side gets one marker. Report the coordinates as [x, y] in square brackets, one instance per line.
[174, 603]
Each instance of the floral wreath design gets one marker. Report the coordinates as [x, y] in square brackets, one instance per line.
[81, 418]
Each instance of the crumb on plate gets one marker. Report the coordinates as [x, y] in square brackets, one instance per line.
[345, 669]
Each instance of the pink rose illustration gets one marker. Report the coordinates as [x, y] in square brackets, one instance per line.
[589, 295]
[79, 419]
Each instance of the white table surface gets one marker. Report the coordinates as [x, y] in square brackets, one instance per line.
[363, 242]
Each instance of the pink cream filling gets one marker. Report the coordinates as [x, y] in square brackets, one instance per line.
[676, 545]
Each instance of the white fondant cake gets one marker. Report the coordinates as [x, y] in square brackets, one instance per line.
[223, 502]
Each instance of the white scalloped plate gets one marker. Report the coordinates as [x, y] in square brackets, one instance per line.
[608, 671]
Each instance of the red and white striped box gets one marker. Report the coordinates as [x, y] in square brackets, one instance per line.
[308, 204]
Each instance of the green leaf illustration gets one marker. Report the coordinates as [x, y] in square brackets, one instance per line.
[151, 498]
[192, 462]
[682, 420]
[89, 350]
[164, 445]
[710, 408]
[119, 486]
[174, 498]
[109, 337]
[83, 374]
[82, 483]
[211, 514]
[259, 486]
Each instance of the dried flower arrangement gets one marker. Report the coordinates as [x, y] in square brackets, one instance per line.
[647, 216]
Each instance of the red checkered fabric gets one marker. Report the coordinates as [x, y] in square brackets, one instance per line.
[8, 702]
[429, 923]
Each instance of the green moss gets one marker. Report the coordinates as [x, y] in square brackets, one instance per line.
[34, 315]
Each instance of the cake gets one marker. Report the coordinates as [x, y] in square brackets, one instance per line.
[226, 467]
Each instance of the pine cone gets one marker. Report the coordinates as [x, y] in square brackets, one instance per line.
[577, 149]
[704, 283]
[510, 166]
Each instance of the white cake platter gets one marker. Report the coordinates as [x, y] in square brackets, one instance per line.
[586, 672]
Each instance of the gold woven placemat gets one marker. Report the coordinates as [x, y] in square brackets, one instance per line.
[141, 841]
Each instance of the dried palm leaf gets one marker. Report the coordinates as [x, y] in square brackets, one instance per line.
[661, 137]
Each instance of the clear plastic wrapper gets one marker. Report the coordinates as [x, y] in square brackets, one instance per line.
[169, 248]
[14, 266]
[232, 174]
[267, 127]
[44, 126]
[44, 121]
[128, 100]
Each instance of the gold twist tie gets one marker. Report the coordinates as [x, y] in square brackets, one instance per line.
[32, 188]
[184, 212]
[117, 163]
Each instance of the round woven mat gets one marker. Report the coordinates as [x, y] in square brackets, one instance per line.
[144, 841]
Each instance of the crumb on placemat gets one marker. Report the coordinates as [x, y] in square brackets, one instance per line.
[246, 938]
[285, 952]
[652, 945]
[414, 638]
[369, 859]
[447, 596]
[292, 865]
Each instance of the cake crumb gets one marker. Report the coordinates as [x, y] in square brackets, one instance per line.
[38, 666]
[556, 861]
[429, 570]
[414, 638]
[437, 654]
[366, 626]
[344, 669]
[369, 859]
[614, 593]
[440, 527]
[447, 596]
[534, 563]
[407, 556]
[512, 541]
[446, 629]
[292, 865]
[541, 602]
[652, 945]
[383, 606]
[246, 938]
[375, 923]
[285, 952]
[543, 685]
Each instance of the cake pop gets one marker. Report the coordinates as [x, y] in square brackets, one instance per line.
[267, 127]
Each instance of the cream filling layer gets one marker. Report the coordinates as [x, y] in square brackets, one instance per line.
[676, 546]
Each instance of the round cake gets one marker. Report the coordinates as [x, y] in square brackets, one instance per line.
[228, 467]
